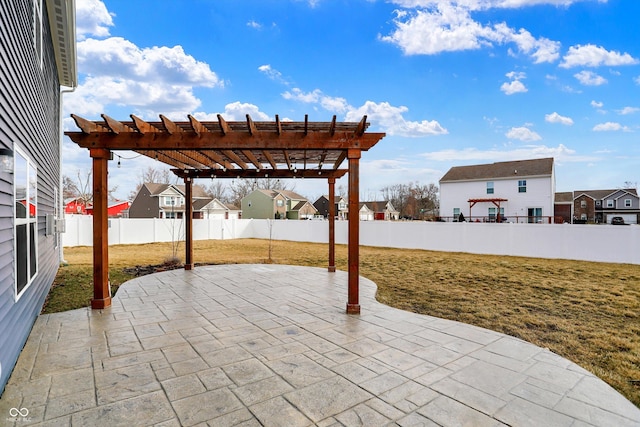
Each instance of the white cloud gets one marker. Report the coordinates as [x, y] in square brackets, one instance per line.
[561, 153]
[92, 19]
[515, 86]
[523, 134]
[628, 110]
[488, 4]
[557, 118]
[594, 56]
[272, 73]
[391, 120]
[637, 80]
[589, 78]
[384, 115]
[255, 25]
[596, 104]
[447, 27]
[609, 127]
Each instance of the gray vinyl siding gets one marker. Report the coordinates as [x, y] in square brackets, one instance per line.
[29, 119]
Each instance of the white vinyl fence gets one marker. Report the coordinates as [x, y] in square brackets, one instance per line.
[604, 243]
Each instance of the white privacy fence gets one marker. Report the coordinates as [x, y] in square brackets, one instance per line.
[606, 243]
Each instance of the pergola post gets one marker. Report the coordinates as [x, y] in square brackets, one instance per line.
[188, 237]
[332, 225]
[353, 299]
[101, 289]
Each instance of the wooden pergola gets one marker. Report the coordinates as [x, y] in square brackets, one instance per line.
[221, 149]
[495, 201]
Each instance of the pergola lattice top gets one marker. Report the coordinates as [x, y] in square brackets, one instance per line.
[248, 149]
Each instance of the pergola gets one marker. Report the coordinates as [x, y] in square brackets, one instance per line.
[221, 149]
[495, 201]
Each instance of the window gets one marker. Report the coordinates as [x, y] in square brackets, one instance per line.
[26, 204]
[490, 187]
[609, 203]
[37, 30]
[583, 216]
[522, 186]
[492, 214]
[535, 215]
[627, 203]
[279, 202]
[583, 203]
[456, 213]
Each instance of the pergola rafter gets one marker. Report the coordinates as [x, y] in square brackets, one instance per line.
[238, 149]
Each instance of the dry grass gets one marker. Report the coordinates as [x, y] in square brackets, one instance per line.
[584, 311]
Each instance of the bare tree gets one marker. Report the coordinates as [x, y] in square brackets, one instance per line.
[412, 200]
[218, 190]
[153, 175]
[630, 185]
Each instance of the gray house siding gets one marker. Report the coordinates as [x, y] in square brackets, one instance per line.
[29, 119]
[144, 206]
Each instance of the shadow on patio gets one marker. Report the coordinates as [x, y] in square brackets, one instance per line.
[271, 345]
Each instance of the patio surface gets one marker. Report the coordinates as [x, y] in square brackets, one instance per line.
[271, 345]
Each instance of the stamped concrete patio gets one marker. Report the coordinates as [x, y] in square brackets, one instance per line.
[271, 345]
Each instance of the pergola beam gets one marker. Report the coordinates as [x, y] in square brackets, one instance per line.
[263, 173]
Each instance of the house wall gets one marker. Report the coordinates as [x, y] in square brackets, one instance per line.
[261, 206]
[29, 119]
[456, 195]
[589, 209]
[143, 205]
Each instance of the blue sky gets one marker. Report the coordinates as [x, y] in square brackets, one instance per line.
[450, 82]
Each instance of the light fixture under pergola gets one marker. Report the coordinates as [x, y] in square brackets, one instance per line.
[221, 149]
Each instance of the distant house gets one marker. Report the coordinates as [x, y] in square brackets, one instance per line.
[36, 59]
[115, 209]
[378, 211]
[155, 200]
[278, 204]
[563, 206]
[76, 206]
[342, 207]
[599, 206]
[213, 208]
[521, 190]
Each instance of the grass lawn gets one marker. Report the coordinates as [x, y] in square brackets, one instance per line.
[584, 311]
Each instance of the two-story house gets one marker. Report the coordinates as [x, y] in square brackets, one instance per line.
[517, 191]
[37, 59]
[342, 207]
[276, 204]
[164, 201]
[212, 208]
[599, 206]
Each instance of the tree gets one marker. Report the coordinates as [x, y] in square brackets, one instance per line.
[218, 190]
[153, 175]
[413, 199]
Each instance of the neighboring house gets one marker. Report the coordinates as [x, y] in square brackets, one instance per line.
[379, 211]
[518, 191]
[36, 60]
[165, 201]
[563, 206]
[599, 206]
[215, 209]
[76, 206]
[342, 207]
[278, 204]
[115, 209]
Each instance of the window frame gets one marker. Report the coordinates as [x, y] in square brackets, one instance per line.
[30, 222]
[522, 186]
[627, 203]
[583, 203]
[610, 203]
[490, 187]
[38, 30]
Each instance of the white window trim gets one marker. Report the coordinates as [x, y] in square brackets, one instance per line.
[25, 221]
[38, 32]
[627, 203]
[610, 203]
